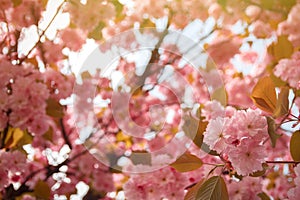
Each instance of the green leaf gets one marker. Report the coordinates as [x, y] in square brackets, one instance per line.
[267, 4]
[294, 146]
[192, 192]
[261, 172]
[54, 108]
[288, 4]
[44, 3]
[283, 48]
[190, 125]
[222, 3]
[119, 9]
[276, 80]
[26, 139]
[48, 135]
[42, 190]
[297, 93]
[16, 2]
[272, 131]
[198, 140]
[264, 95]
[147, 23]
[96, 34]
[220, 95]
[14, 135]
[85, 75]
[206, 149]
[282, 105]
[94, 194]
[213, 189]
[187, 162]
[140, 157]
[264, 196]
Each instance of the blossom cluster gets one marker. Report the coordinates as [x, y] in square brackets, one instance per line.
[294, 192]
[164, 183]
[288, 70]
[23, 96]
[238, 136]
[13, 167]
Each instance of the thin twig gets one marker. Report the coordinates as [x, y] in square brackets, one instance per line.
[287, 115]
[42, 33]
[216, 165]
[3, 138]
[64, 133]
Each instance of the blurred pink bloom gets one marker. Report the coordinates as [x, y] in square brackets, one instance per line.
[262, 29]
[164, 183]
[290, 26]
[212, 110]
[249, 56]
[246, 189]
[26, 14]
[223, 49]
[288, 70]
[239, 90]
[294, 193]
[72, 38]
[51, 52]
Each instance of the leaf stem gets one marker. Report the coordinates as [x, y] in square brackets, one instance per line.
[216, 165]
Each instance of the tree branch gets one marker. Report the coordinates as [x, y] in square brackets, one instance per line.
[42, 33]
[3, 136]
[154, 58]
[64, 134]
[282, 162]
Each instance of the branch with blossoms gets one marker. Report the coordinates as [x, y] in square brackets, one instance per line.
[49, 170]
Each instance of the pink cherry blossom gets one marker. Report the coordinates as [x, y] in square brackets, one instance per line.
[4, 178]
[248, 123]
[32, 11]
[215, 136]
[248, 151]
[212, 110]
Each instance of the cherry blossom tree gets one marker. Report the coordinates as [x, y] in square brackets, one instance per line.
[127, 99]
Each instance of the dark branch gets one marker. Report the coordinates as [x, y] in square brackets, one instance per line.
[64, 133]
